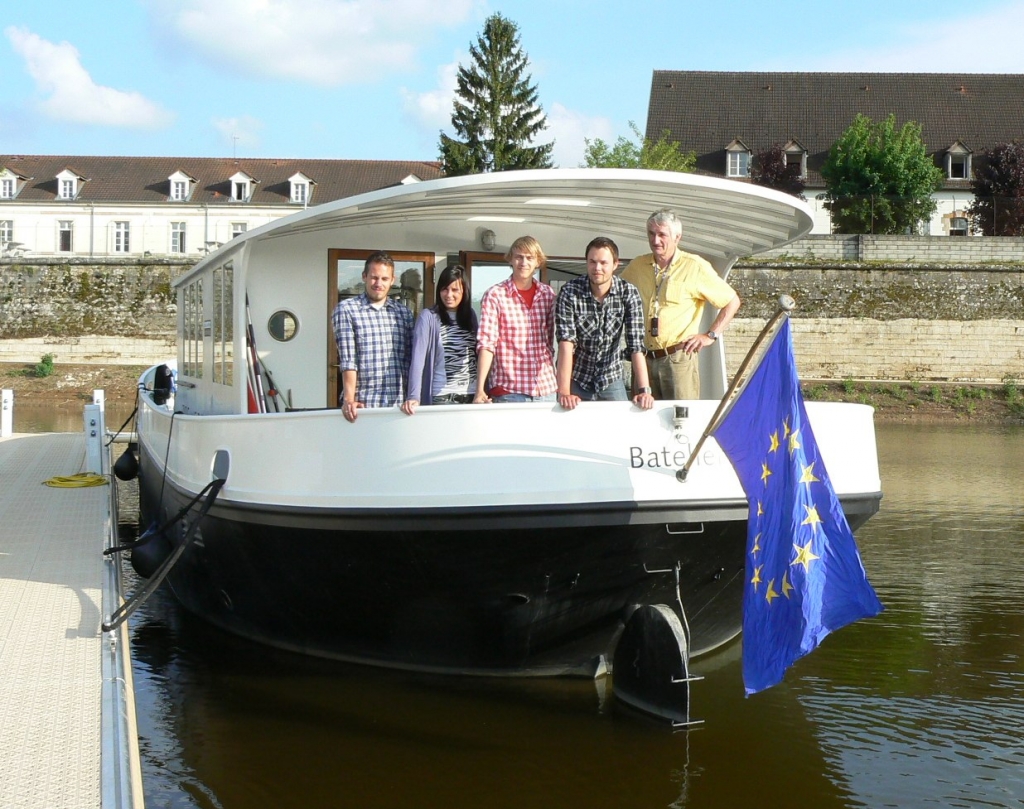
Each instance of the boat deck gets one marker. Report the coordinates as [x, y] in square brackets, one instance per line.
[61, 743]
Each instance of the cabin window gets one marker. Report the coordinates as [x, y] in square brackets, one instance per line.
[283, 325]
[122, 243]
[192, 329]
[65, 234]
[223, 325]
[408, 286]
[177, 237]
[414, 276]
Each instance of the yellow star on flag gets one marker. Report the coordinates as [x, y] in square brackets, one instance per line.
[760, 510]
[787, 588]
[757, 545]
[794, 442]
[757, 577]
[804, 556]
[785, 428]
[774, 444]
[770, 592]
[807, 474]
[765, 473]
[812, 518]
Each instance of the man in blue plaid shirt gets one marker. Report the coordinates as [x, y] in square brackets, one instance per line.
[374, 336]
[592, 314]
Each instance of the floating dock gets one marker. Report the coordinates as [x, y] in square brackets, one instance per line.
[67, 709]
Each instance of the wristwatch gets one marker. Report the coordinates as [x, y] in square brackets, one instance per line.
[713, 335]
[643, 390]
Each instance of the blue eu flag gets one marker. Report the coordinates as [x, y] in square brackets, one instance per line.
[804, 576]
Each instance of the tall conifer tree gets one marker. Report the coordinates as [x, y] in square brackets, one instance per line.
[496, 115]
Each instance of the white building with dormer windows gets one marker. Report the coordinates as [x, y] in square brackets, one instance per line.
[168, 206]
[727, 118]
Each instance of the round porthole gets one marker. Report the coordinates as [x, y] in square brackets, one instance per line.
[283, 325]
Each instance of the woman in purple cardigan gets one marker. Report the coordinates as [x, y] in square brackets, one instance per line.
[443, 365]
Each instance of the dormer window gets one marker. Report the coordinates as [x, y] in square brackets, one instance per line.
[796, 158]
[958, 162]
[181, 186]
[737, 159]
[301, 187]
[68, 185]
[10, 183]
[242, 187]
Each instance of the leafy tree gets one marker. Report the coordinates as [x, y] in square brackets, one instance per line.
[496, 115]
[771, 170]
[998, 207]
[880, 179]
[643, 153]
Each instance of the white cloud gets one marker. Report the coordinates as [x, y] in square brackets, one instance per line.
[978, 42]
[432, 110]
[72, 95]
[243, 131]
[323, 42]
[570, 130]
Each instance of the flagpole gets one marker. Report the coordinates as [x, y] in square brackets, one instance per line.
[786, 305]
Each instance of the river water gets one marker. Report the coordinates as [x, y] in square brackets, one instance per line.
[921, 706]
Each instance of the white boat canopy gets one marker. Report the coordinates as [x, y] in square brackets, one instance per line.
[564, 208]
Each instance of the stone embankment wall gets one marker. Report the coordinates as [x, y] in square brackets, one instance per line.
[932, 309]
[114, 311]
[916, 250]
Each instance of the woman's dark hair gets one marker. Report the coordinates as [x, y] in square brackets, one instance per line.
[464, 311]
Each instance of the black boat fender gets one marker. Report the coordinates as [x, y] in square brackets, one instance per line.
[151, 551]
[127, 466]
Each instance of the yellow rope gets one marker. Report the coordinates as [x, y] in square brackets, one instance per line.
[77, 481]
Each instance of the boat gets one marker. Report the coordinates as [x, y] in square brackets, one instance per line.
[499, 539]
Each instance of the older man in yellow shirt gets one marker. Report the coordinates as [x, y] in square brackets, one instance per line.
[674, 286]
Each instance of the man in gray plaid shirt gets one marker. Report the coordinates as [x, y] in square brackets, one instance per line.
[374, 336]
[592, 314]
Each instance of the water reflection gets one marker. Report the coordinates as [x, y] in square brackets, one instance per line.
[48, 418]
[920, 706]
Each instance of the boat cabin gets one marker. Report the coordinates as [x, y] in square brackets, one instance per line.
[274, 288]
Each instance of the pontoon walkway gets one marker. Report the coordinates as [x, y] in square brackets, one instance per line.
[67, 719]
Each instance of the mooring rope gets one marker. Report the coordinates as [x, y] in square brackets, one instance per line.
[76, 481]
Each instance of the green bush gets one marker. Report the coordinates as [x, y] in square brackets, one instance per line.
[45, 366]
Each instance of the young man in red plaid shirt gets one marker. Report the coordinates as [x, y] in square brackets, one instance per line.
[515, 341]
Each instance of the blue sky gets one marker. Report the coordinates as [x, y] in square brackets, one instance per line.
[373, 79]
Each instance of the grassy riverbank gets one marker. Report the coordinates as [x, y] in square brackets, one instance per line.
[893, 401]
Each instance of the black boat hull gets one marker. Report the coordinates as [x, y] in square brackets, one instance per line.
[500, 592]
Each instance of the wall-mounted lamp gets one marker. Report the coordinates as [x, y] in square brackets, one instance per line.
[488, 239]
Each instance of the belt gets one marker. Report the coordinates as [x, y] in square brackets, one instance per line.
[658, 353]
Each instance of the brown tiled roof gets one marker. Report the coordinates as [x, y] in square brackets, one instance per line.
[144, 179]
[706, 110]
